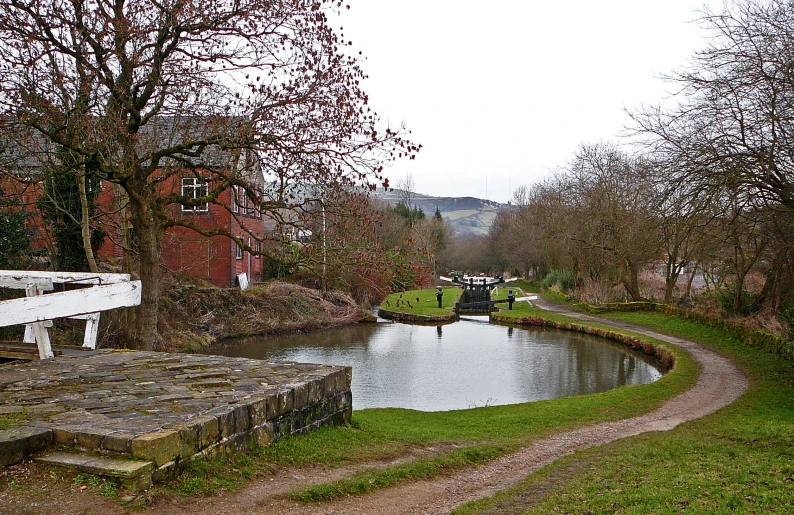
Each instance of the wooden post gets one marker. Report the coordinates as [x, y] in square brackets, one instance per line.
[91, 329]
[39, 329]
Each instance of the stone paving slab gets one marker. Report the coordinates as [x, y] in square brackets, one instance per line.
[164, 407]
[134, 475]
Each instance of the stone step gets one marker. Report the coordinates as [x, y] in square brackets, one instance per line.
[134, 475]
[17, 442]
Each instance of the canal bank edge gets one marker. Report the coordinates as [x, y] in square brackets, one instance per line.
[270, 308]
[400, 316]
[665, 359]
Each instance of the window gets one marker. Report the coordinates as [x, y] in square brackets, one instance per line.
[238, 251]
[243, 204]
[193, 188]
[258, 248]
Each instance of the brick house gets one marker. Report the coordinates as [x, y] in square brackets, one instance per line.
[217, 259]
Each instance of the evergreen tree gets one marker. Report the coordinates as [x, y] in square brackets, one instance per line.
[403, 211]
[61, 207]
[14, 235]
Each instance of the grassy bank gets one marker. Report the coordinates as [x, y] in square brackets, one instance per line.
[422, 302]
[739, 460]
[446, 440]
[425, 303]
[193, 319]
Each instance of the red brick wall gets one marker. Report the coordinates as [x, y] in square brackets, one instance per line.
[184, 250]
[214, 259]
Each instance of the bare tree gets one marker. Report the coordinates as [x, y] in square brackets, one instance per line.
[406, 191]
[733, 125]
[682, 218]
[142, 92]
[728, 139]
[614, 226]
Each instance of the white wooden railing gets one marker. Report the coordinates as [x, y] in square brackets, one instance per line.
[36, 310]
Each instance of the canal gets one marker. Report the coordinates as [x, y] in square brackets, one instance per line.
[465, 364]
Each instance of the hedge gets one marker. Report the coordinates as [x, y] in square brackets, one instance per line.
[765, 340]
[664, 358]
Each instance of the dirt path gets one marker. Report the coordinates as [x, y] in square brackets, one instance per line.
[719, 384]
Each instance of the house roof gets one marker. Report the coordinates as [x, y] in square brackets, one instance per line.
[25, 151]
[228, 132]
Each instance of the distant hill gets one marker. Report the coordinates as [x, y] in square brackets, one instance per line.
[465, 214]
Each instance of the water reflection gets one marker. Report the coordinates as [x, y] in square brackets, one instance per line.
[461, 365]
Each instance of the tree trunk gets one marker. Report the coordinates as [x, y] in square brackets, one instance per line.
[671, 278]
[150, 243]
[669, 286]
[631, 281]
[126, 240]
[737, 296]
[689, 281]
[85, 229]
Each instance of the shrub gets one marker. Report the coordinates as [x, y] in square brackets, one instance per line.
[750, 303]
[550, 280]
[567, 279]
[564, 279]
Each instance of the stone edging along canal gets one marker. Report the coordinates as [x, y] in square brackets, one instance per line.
[664, 358]
[400, 316]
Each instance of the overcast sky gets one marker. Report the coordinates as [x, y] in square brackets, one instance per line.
[507, 89]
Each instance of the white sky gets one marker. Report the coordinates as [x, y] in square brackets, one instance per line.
[507, 89]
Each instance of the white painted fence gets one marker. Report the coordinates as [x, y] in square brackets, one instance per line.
[37, 310]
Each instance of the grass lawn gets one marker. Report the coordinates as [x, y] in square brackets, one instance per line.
[739, 460]
[525, 309]
[422, 302]
[526, 286]
[469, 437]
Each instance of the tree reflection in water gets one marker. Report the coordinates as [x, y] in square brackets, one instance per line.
[436, 368]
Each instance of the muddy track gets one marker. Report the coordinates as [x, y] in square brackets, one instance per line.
[719, 384]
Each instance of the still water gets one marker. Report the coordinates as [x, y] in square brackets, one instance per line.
[460, 365]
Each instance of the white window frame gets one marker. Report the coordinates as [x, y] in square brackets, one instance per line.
[193, 188]
[235, 196]
[238, 251]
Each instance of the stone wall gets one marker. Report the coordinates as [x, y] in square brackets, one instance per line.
[166, 408]
[293, 410]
